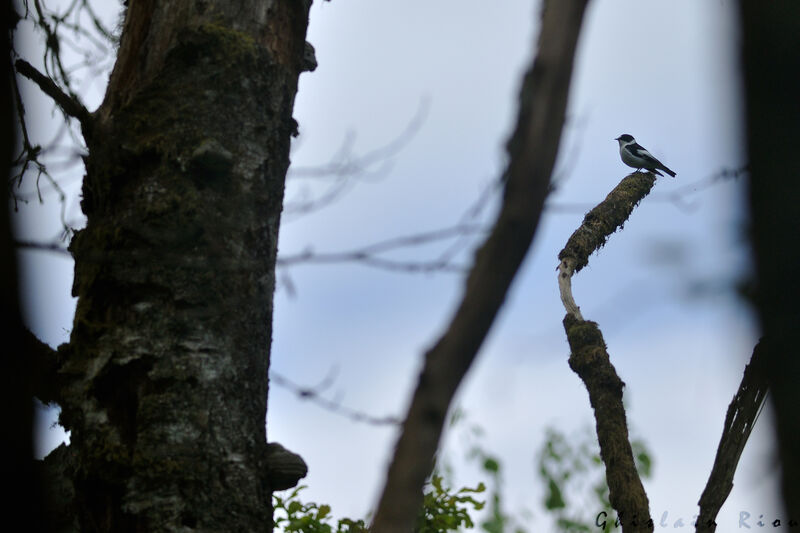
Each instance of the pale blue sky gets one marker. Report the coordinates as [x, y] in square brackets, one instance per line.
[663, 71]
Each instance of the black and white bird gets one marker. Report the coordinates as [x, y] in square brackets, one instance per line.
[637, 157]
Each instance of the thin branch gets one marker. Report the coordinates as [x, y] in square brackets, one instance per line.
[532, 152]
[52, 52]
[105, 32]
[410, 267]
[314, 394]
[27, 148]
[345, 163]
[369, 254]
[44, 247]
[344, 167]
[69, 104]
[742, 414]
[590, 360]
[681, 197]
[472, 213]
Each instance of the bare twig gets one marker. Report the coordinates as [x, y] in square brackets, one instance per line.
[682, 196]
[345, 167]
[369, 255]
[739, 421]
[314, 394]
[344, 162]
[69, 104]
[410, 266]
[532, 151]
[43, 246]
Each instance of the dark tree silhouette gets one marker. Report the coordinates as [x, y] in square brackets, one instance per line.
[771, 55]
[22, 495]
[163, 383]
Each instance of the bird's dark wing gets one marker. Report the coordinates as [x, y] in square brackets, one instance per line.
[637, 150]
[640, 152]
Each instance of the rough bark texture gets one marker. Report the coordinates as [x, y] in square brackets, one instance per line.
[771, 55]
[532, 151]
[164, 382]
[739, 421]
[606, 218]
[589, 359]
[598, 225]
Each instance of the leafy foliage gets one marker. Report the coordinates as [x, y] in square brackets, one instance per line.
[293, 515]
[442, 510]
[495, 519]
[569, 467]
[574, 476]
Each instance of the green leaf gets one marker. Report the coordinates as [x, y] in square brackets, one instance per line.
[480, 488]
[296, 491]
[554, 498]
[645, 464]
[324, 510]
[491, 465]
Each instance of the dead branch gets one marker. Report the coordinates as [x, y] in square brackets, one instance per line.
[69, 104]
[56, 247]
[315, 395]
[532, 151]
[370, 254]
[346, 166]
[589, 358]
[597, 226]
[739, 421]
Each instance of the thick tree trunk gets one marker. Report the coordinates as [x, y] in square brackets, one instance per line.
[164, 382]
[771, 56]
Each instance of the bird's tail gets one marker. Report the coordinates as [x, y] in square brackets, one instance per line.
[668, 171]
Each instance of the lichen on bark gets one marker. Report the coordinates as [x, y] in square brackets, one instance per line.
[165, 382]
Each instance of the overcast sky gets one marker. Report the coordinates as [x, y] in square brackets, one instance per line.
[662, 290]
